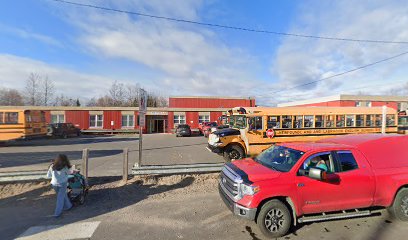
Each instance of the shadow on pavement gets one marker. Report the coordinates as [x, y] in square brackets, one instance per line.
[31, 158]
[34, 207]
[70, 141]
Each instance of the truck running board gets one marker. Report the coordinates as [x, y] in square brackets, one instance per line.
[332, 216]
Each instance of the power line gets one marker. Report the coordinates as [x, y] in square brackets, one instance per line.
[214, 25]
[342, 73]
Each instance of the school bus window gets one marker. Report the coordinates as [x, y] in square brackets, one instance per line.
[1, 117]
[239, 122]
[359, 120]
[298, 121]
[350, 120]
[319, 121]
[329, 121]
[255, 123]
[390, 120]
[378, 120]
[369, 120]
[339, 120]
[11, 117]
[273, 122]
[286, 121]
[309, 121]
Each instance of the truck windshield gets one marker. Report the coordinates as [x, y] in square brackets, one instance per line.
[238, 122]
[279, 158]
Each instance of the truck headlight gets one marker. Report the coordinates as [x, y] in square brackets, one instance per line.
[248, 190]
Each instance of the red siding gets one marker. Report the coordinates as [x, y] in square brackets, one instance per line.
[214, 116]
[115, 116]
[388, 104]
[210, 103]
[170, 118]
[80, 118]
[192, 119]
[136, 122]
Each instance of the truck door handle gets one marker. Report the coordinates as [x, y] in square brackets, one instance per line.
[300, 184]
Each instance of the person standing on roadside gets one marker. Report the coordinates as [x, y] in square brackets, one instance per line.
[58, 172]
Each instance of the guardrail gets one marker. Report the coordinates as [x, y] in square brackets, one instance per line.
[177, 169]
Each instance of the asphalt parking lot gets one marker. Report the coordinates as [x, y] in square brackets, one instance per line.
[106, 152]
[173, 207]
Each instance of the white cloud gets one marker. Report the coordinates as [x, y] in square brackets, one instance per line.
[192, 59]
[15, 70]
[26, 34]
[300, 61]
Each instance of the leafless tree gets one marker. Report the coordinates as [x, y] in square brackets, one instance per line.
[32, 89]
[10, 97]
[65, 101]
[117, 94]
[47, 90]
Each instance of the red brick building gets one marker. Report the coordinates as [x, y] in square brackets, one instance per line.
[399, 103]
[189, 110]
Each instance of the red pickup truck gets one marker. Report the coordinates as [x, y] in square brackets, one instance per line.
[341, 177]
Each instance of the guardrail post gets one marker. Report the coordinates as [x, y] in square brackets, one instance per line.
[125, 164]
[85, 157]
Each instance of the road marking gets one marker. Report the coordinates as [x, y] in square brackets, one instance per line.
[81, 230]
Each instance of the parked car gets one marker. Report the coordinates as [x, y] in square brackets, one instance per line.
[183, 130]
[63, 130]
[205, 128]
[340, 177]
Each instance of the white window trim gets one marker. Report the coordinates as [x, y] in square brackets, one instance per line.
[58, 118]
[96, 121]
[127, 120]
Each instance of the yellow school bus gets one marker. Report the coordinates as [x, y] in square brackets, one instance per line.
[21, 124]
[255, 132]
[403, 122]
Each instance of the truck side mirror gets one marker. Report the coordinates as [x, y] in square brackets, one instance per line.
[317, 173]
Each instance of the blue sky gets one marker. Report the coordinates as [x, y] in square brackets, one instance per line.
[84, 50]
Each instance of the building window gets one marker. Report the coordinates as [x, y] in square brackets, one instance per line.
[358, 104]
[368, 104]
[57, 118]
[1, 117]
[203, 118]
[128, 121]
[179, 119]
[96, 121]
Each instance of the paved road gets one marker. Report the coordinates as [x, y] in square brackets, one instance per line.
[106, 152]
[174, 208]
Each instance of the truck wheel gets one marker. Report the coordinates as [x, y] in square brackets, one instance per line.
[399, 208]
[233, 152]
[274, 219]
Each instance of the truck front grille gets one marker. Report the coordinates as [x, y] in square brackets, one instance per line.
[229, 182]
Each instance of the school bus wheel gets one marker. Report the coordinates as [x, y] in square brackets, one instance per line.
[233, 152]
